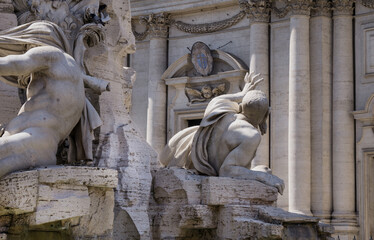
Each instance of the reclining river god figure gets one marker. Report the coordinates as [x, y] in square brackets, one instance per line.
[227, 139]
[56, 101]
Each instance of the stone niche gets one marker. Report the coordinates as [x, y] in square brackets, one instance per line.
[190, 206]
[181, 77]
[58, 203]
[365, 167]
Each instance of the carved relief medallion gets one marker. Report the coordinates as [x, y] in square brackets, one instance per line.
[202, 58]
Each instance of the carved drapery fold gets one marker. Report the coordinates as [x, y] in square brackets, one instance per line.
[343, 7]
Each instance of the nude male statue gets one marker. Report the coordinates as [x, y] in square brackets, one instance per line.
[55, 101]
[227, 139]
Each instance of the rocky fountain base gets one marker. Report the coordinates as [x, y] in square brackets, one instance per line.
[190, 206]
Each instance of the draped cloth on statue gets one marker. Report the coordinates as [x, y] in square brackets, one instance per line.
[189, 147]
[19, 40]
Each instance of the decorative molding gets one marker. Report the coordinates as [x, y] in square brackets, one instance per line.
[343, 7]
[368, 3]
[257, 11]
[158, 25]
[322, 8]
[300, 7]
[205, 92]
[209, 27]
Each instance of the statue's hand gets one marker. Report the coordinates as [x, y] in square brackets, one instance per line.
[251, 82]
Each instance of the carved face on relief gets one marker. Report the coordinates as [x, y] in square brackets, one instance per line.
[207, 92]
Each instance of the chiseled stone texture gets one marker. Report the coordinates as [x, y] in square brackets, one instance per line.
[80, 197]
[190, 206]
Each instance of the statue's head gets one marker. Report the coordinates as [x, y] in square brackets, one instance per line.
[255, 106]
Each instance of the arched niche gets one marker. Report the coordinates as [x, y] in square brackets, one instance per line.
[228, 74]
[365, 167]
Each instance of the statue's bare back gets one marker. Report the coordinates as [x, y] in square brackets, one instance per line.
[55, 101]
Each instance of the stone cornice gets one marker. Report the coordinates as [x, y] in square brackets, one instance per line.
[343, 7]
[322, 8]
[256, 10]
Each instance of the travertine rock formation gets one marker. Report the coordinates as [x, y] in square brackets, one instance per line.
[190, 206]
[78, 199]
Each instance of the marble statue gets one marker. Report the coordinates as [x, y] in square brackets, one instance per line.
[47, 61]
[227, 139]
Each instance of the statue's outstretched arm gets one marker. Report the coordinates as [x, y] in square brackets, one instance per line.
[96, 84]
[24, 64]
[251, 80]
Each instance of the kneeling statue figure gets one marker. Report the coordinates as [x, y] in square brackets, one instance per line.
[226, 141]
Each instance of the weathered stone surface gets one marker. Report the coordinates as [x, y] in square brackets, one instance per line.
[83, 197]
[60, 202]
[279, 216]
[18, 193]
[177, 186]
[222, 191]
[86, 176]
[198, 216]
[99, 221]
[238, 222]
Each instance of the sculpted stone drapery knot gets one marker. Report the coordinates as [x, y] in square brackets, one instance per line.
[343, 7]
[256, 10]
[158, 25]
[322, 8]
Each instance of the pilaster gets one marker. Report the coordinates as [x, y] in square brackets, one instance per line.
[156, 115]
[258, 13]
[344, 216]
[299, 138]
[321, 111]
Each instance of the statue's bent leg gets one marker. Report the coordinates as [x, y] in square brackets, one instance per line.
[31, 148]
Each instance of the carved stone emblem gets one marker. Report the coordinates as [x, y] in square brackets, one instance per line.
[204, 93]
[202, 58]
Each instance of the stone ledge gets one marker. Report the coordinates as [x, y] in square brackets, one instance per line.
[53, 193]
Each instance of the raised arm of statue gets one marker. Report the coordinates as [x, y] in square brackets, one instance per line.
[24, 64]
[251, 80]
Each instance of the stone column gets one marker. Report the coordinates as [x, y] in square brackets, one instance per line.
[258, 14]
[343, 123]
[156, 115]
[299, 144]
[321, 101]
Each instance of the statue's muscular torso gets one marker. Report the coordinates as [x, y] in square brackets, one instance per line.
[55, 95]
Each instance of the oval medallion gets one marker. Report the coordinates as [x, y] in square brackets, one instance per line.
[202, 58]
